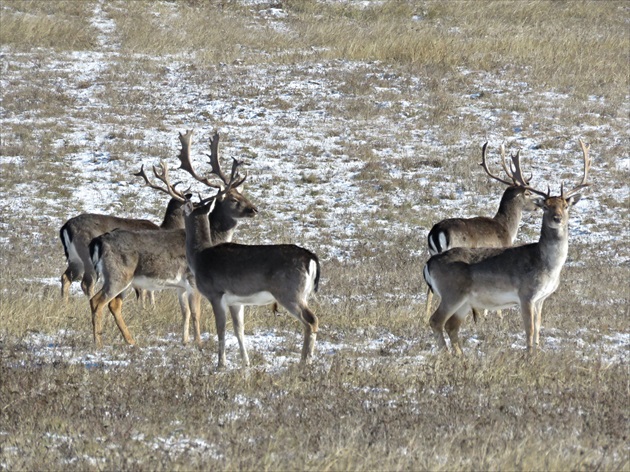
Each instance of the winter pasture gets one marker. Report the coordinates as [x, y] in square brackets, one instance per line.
[360, 124]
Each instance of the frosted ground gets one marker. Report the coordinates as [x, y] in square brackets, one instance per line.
[286, 122]
[274, 117]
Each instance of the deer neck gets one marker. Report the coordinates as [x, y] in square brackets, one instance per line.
[510, 213]
[222, 225]
[554, 244]
[174, 216]
[198, 236]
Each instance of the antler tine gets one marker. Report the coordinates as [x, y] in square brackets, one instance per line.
[214, 158]
[517, 173]
[485, 165]
[170, 190]
[186, 163]
[235, 180]
[506, 169]
[163, 176]
[587, 167]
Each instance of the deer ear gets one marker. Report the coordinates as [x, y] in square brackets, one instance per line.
[539, 202]
[240, 188]
[574, 199]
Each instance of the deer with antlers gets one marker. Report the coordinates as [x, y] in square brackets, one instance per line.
[495, 278]
[154, 260]
[232, 276]
[483, 231]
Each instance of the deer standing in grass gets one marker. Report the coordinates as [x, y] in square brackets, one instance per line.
[483, 231]
[232, 275]
[155, 260]
[494, 278]
[77, 233]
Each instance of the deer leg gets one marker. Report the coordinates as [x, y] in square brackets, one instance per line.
[528, 313]
[301, 312]
[97, 302]
[237, 312]
[184, 305]
[115, 306]
[219, 307]
[537, 322]
[452, 328]
[65, 285]
[429, 300]
[438, 321]
[87, 284]
[194, 302]
[310, 334]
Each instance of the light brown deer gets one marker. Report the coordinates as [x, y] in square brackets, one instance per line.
[483, 231]
[77, 232]
[495, 278]
[231, 275]
[155, 260]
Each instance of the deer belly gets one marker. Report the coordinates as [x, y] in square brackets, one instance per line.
[488, 299]
[153, 283]
[258, 298]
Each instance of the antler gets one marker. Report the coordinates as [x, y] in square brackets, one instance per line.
[186, 163]
[514, 171]
[216, 166]
[587, 167]
[163, 176]
[184, 158]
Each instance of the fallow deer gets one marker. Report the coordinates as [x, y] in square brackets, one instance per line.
[154, 260]
[495, 278]
[78, 231]
[232, 275]
[483, 231]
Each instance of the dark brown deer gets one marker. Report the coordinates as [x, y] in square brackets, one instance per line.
[231, 275]
[495, 278]
[155, 260]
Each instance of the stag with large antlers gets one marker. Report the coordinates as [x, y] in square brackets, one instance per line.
[232, 276]
[157, 260]
[495, 278]
[483, 231]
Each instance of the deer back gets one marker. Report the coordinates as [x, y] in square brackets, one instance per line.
[246, 269]
[481, 231]
[151, 255]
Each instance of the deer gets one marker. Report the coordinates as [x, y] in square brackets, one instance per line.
[484, 231]
[156, 260]
[231, 276]
[495, 278]
[77, 232]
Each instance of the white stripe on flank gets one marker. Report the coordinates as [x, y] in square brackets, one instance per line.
[443, 242]
[73, 255]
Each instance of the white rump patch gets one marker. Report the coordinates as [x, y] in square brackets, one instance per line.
[443, 242]
[96, 261]
[73, 255]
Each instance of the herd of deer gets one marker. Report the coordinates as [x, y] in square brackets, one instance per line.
[473, 265]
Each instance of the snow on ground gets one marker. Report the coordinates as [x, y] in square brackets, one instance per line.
[274, 141]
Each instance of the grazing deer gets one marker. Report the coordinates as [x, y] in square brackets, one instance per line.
[232, 275]
[483, 231]
[494, 278]
[154, 260]
[77, 233]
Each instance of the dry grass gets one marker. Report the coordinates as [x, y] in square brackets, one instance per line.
[399, 97]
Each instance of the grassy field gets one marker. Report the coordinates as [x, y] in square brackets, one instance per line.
[360, 124]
